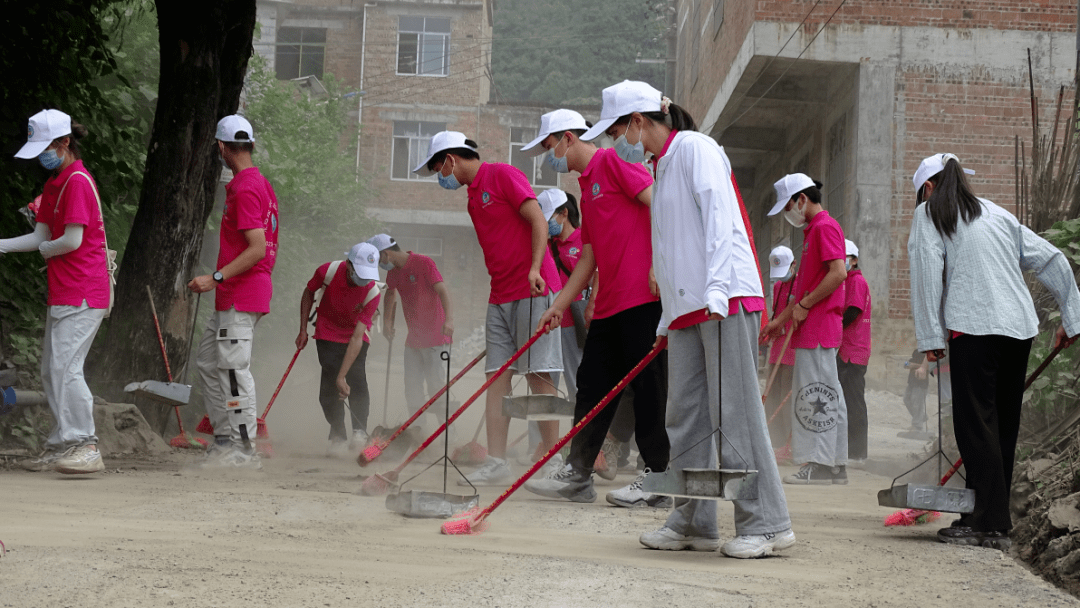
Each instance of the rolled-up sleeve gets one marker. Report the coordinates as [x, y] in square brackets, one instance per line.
[926, 253]
[1052, 269]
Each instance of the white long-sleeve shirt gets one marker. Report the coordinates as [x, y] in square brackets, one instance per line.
[982, 291]
[701, 252]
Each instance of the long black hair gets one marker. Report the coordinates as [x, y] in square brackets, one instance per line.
[571, 208]
[951, 199]
[680, 118]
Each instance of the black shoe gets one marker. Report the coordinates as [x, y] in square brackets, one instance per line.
[960, 535]
[839, 475]
[996, 540]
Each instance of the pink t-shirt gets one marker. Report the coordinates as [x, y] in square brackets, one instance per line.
[567, 253]
[250, 204]
[823, 241]
[495, 198]
[81, 274]
[617, 226]
[855, 347]
[420, 304]
[343, 305]
[781, 296]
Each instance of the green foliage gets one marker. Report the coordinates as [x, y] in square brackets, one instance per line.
[564, 52]
[30, 426]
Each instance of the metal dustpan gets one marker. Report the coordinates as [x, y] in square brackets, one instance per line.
[168, 393]
[537, 407]
[706, 484]
[928, 498]
[430, 504]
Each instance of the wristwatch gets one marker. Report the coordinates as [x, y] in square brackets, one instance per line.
[218, 276]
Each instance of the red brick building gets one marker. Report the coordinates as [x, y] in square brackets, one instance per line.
[885, 84]
[421, 66]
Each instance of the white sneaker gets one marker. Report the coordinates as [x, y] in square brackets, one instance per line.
[339, 449]
[758, 545]
[228, 456]
[666, 539]
[83, 459]
[494, 472]
[633, 496]
[359, 441]
[45, 461]
[550, 468]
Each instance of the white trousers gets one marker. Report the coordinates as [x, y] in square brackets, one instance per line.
[224, 364]
[69, 332]
[424, 366]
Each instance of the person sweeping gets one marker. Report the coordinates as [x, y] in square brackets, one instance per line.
[968, 295]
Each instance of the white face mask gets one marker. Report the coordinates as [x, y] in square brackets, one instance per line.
[796, 216]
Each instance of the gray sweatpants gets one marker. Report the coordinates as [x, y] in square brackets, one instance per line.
[819, 413]
[69, 332]
[694, 356]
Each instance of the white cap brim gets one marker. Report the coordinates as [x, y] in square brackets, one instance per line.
[598, 129]
[533, 148]
[778, 207]
[366, 272]
[778, 272]
[32, 149]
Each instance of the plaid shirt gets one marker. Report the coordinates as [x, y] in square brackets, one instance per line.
[983, 291]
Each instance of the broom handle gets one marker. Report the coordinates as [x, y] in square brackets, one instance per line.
[1035, 374]
[575, 430]
[434, 398]
[280, 384]
[776, 367]
[476, 395]
[386, 387]
[157, 326]
[479, 427]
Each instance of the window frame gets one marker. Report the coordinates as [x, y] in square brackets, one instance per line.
[538, 161]
[420, 44]
[420, 140]
[301, 45]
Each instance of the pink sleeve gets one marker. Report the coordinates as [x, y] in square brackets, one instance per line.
[632, 178]
[249, 211]
[514, 186]
[856, 293]
[432, 272]
[392, 278]
[316, 281]
[79, 205]
[831, 243]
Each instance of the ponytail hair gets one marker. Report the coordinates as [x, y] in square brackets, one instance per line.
[571, 209]
[675, 117]
[951, 199]
[78, 132]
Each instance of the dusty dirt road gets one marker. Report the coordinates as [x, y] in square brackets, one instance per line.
[161, 533]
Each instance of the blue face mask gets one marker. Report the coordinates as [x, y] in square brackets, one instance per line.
[631, 153]
[559, 164]
[49, 159]
[554, 228]
[450, 182]
[387, 266]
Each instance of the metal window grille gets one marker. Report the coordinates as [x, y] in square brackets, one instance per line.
[410, 147]
[423, 46]
[539, 172]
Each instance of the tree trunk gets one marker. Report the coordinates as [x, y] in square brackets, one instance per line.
[205, 46]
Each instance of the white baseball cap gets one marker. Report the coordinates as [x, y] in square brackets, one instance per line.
[931, 166]
[443, 140]
[780, 260]
[364, 258]
[45, 126]
[229, 128]
[787, 187]
[382, 241]
[554, 122]
[550, 200]
[622, 99]
[850, 248]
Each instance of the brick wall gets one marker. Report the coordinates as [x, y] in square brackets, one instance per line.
[1026, 15]
[704, 59]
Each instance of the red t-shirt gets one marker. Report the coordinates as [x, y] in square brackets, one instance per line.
[250, 204]
[343, 305]
[823, 241]
[420, 304]
[855, 346]
[568, 253]
[617, 225]
[495, 198]
[81, 274]
[782, 295]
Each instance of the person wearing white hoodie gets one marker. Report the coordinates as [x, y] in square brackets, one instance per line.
[712, 297]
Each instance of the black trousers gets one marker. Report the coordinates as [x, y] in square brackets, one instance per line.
[988, 391]
[331, 354]
[853, 381]
[613, 347]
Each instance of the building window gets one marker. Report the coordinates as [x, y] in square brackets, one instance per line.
[423, 46]
[431, 247]
[411, 141]
[300, 52]
[539, 172]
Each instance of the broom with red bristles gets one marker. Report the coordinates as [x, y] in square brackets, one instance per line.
[379, 484]
[182, 440]
[474, 521]
[374, 450]
[911, 517]
[472, 452]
